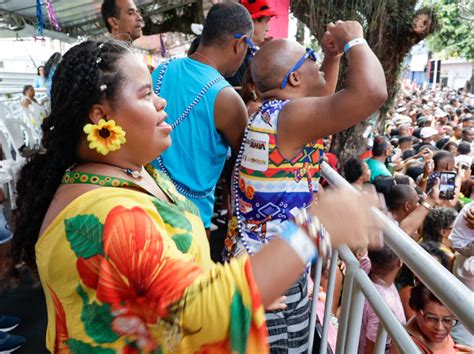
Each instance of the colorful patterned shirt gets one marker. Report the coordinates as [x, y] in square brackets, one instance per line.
[125, 272]
[270, 188]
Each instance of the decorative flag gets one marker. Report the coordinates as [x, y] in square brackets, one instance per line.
[53, 20]
[279, 24]
[39, 15]
[162, 46]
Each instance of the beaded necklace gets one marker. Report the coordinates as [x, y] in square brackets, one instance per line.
[73, 177]
[184, 190]
[311, 225]
[235, 180]
[235, 190]
[136, 174]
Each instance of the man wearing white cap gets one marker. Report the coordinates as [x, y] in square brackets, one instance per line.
[428, 136]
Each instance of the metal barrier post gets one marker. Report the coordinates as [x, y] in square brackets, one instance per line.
[444, 285]
[381, 341]
[355, 318]
[396, 330]
[314, 304]
[329, 301]
[344, 314]
[441, 282]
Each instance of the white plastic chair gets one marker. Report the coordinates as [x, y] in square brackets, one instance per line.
[21, 133]
[9, 168]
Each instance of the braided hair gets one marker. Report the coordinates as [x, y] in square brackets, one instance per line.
[77, 86]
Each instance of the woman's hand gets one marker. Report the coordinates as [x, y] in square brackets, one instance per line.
[463, 348]
[347, 215]
[469, 217]
[278, 304]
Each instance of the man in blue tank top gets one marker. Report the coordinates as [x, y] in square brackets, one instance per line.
[206, 113]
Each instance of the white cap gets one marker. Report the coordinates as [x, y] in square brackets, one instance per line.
[401, 109]
[440, 113]
[403, 120]
[196, 28]
[428, 132]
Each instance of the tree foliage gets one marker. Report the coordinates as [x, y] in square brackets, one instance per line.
[177, 19]
[456, 36]
[391, 27]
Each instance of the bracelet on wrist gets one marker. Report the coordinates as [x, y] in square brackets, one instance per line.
[316, 232]
[297, 238]
[353, 43]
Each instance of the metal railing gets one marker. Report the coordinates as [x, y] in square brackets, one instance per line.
[357, 286]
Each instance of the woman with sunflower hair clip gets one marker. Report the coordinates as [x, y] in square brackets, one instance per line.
[122, 257]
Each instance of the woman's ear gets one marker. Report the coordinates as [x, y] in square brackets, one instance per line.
[97, 112]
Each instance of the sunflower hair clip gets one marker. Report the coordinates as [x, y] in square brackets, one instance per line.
[105, 136]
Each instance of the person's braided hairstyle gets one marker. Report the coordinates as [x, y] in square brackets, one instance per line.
[77, 86]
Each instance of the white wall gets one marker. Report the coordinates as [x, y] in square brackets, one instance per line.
[23, 55]
[457, 72]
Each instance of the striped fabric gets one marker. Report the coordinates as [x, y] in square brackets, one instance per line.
[288, 330]
[268, 192]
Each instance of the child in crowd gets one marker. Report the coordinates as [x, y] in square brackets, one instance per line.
[384, 268]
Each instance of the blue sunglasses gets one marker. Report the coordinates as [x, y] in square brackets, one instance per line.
[308, 55]
[252, 47]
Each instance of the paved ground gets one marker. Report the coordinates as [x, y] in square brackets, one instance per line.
[27, 303]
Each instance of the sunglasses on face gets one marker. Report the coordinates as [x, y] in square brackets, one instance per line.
[252, 47]
[308, 55]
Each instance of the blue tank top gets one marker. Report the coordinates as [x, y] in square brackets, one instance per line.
[198, 151]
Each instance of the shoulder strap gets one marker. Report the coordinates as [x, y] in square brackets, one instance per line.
[180, 187]
[424, 349]
[161, 73]
[196, 100]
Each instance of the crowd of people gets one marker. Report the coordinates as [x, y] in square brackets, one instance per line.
[114, 213]
[423, 166]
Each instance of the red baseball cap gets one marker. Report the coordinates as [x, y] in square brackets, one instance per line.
[258, 8]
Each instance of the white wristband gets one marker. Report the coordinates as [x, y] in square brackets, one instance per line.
[353, 43]
[299, 241]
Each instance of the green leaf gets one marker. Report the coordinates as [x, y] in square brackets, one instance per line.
[189, 206]
[79, 347]
[97, 320]
[183, 241]
[84, 233]
[172, 215]
[239, 324]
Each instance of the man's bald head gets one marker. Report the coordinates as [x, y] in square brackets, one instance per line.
[273, 61]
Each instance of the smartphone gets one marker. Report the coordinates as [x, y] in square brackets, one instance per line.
[431, 182]
[447, 185]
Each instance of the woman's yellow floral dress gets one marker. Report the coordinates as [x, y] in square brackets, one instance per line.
[124, 272]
